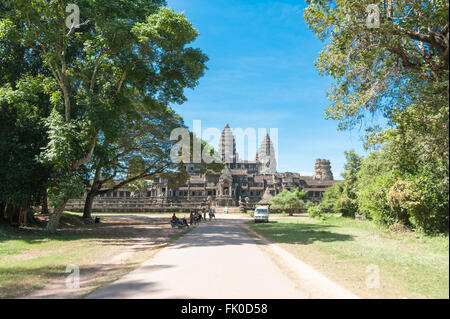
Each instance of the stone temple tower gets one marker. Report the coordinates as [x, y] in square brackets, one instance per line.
[266, 156]
[227, 146]
[322, 170]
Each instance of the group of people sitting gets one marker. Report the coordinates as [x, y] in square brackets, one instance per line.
[196, 216]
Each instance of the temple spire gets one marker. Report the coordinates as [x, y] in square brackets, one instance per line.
[266, 156]
[227, 146]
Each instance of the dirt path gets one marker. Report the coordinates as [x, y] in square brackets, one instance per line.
[129, 240]
[219, 260]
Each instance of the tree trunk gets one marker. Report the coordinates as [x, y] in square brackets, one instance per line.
[12, 215]
[44, 210]
[53, 222]
[23, 215]
[87, 212]
[2, 212]
[30, 217]
[96, 185]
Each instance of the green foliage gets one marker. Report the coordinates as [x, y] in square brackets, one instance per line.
[331, 199]
[341, 198]
[316, 211]
[399, 70]
[389, 195]
[373, 187]
[210, 167]
[289, 201]
[24, 103]
[64, 188]
[21, 139]
[127, 60]
[62, 147]
[381, 69]
[309, 204]
[142, 151]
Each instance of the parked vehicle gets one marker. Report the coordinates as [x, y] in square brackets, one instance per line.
[261, 214]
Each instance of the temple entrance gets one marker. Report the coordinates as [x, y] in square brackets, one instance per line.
[226, 189]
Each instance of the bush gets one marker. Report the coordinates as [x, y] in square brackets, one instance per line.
[418, 201]
[372, 201]
[341, 198]
[316, 211]
[288, 201]
[309, 204]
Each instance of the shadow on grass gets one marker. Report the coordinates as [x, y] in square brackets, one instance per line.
[120, 230]
[21, 281]
[299, 233]
[130, 231]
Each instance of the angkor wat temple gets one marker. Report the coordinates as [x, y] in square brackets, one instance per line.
[240, 181]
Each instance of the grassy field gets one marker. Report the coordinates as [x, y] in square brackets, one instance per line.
[347, 251]
[29, 258]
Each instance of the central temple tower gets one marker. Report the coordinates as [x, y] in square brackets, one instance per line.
[266, 156]
[227, 146]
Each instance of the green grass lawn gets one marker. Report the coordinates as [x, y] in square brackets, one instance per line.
[30, 259]
[411, 265]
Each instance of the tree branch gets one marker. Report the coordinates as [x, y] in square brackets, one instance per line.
[121, 81]
[88, 158]
[97, 63]
[73, 27]
[144, 174]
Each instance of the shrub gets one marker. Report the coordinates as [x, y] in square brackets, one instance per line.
[288, 201]
[416, 201]
[316, 211]
[372, 201]
[309, 204]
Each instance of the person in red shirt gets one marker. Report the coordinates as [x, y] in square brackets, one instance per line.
[174, 217]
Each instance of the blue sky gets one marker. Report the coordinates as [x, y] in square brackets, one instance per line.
[262, 75]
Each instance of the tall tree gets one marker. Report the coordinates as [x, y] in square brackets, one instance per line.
[142, 151]
[119, 50]
[392, 58]
[384, 55]
[22, 133]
